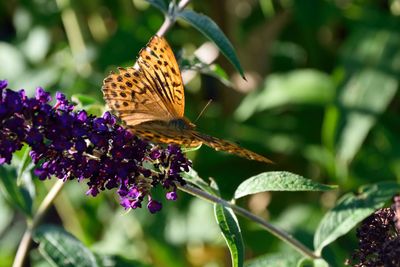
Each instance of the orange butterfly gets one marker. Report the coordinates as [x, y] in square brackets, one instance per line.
[150, 99]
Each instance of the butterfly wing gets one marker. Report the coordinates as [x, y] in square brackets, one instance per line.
[161, 132]
[130, 94]
[152, 90]
[159, 66]
[220, 144]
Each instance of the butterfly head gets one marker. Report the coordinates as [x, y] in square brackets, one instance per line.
[181, 124]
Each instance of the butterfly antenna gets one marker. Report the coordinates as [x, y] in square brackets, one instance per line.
[202, 111]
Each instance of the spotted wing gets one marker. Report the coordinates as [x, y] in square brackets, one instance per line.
[130, 94]
[162, 132]
[160, 69]
[151, 90]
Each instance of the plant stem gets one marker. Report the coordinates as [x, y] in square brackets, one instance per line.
[246, 214]
[23, 247]
[170, 20]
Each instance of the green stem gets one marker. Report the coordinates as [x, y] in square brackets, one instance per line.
[23, 247]
[246, 214]
[169, 21]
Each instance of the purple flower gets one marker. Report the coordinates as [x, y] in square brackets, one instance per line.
[155, 154]
[379, 239]
[42, 173]
[82, 116]
[154, 206]
[62, 102]
[42, 95]
[3, 84]
[171, 195]
[126, 203]
[70, 145]
[109, 118]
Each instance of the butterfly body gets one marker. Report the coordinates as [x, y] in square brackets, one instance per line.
[181, 124]
[149, 98]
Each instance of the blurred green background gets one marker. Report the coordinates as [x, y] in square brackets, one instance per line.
[321, 100]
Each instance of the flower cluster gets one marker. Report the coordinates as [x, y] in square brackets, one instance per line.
[69, 145]
[379, 239]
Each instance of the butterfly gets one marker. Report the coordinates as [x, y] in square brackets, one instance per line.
[149, 97]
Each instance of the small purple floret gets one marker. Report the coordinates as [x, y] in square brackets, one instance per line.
[42, 95]
[154, 206]
[171, 195]
[3, 84]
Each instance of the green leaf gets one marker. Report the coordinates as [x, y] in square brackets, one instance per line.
[362, 102]
[60, 248]
[159, 4]
[276, 260]
[278, 181]
[83, 100]
[350, 210]
[230, 228]
[6, 219]
[192, 177]
[16, 195]
[190, 149]
[88, 103]
[16, 180]
[297, 87]
[217, 72]
[211, 30]
[25, 164]
[213, 70]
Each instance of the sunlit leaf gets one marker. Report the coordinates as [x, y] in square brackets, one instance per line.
[278, 181]
[230, 229]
